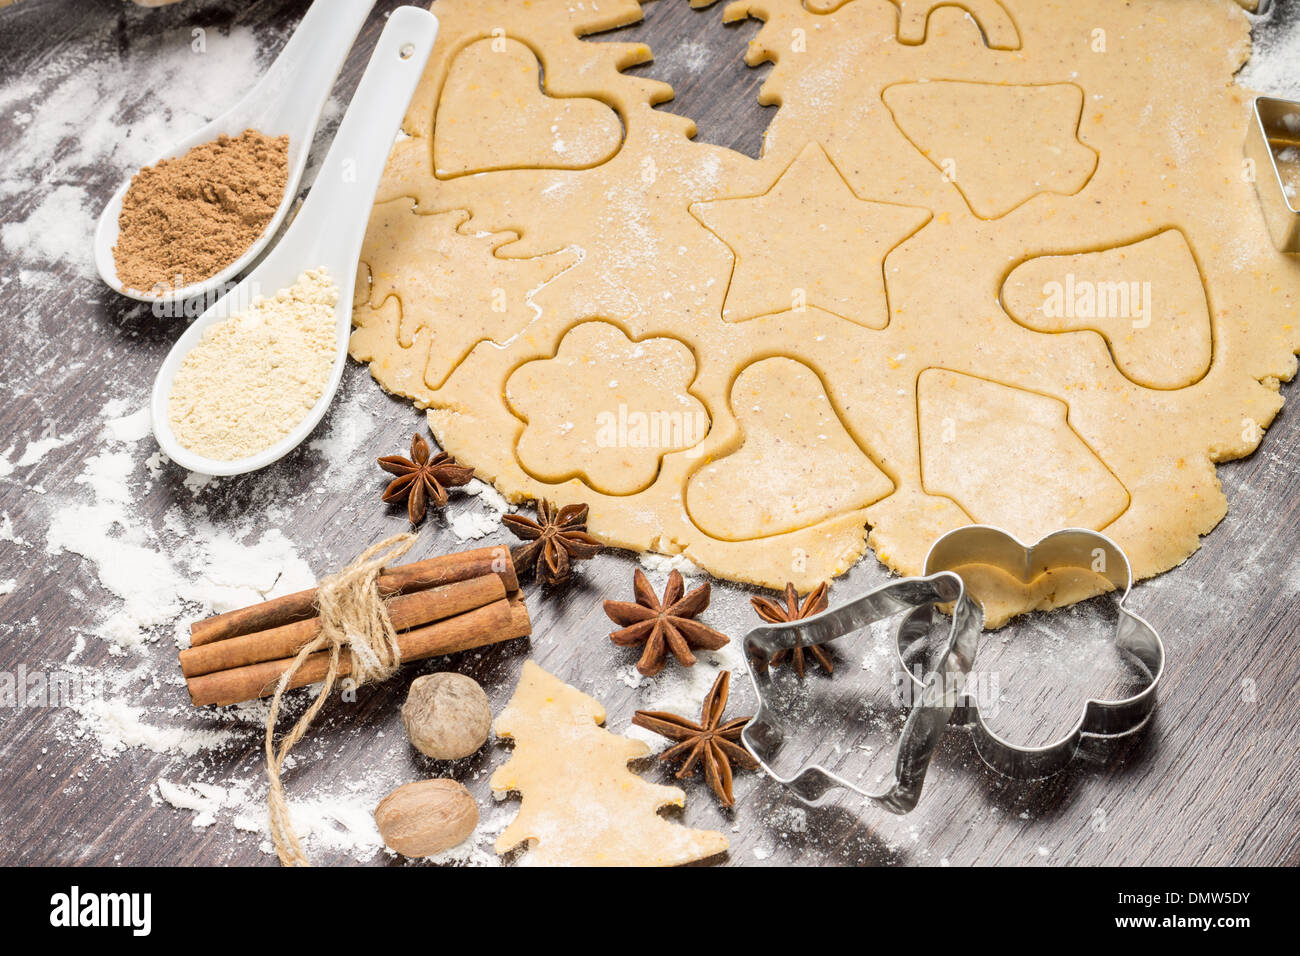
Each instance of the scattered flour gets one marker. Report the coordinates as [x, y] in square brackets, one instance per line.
[1272, 66]
[33, 452]
[132, 427]
[664, 564]
[118, 725]
[349, 423]
[7, 532]
[210, 569]
[472, 525]
[489, 496]
[52, 231]
[788, 819]
[202, 798]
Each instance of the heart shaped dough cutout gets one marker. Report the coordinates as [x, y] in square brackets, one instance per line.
[495, 114]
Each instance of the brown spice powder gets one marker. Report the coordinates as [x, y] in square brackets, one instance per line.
[191, 217]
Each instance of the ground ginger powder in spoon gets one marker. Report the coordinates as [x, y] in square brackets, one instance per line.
[183, 220]
[255, 375]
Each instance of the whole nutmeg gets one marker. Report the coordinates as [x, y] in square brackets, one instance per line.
[426, 817]
[447, 716]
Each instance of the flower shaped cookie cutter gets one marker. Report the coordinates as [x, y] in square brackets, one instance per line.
[1134, 637]
[939, 694]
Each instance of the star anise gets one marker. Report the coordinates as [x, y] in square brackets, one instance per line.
[710, 742]
[420, 480]
[663, 626]
[774, 613]
[553, 542]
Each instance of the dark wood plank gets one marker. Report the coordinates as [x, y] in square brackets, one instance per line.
[1215, 779]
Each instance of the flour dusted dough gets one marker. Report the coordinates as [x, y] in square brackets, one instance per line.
[865, 305]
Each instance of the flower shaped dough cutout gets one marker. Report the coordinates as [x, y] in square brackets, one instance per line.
[607, 408]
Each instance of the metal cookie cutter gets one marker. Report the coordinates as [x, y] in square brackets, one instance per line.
[1138, 640]
[940, 694]
[932, 706]
[1275, 127]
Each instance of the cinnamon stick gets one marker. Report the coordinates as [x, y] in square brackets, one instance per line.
[417, 576]
[405, 611]
[499, 621]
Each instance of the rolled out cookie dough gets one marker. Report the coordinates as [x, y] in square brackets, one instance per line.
[951, 390]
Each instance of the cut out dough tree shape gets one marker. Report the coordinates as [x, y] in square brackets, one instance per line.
[472, 294]
[581, 806]
[809, 241]
[975, 435]
[999, 145]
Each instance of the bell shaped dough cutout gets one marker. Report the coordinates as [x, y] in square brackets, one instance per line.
[606, 409]
[1145, 298]
[1008, 457]
[494, 114]
[473, 295]
[995, 24]
[998, 145]
[580, 804]
[796, 464]
[809, 241]
[990, 16]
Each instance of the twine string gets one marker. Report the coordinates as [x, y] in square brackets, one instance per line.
[354, 615]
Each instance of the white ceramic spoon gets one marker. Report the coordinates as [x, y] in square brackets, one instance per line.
[287, 100]
[327, 230]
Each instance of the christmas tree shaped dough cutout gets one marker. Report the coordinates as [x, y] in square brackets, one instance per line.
[581, 806]
[476, 294]
[1000, 145]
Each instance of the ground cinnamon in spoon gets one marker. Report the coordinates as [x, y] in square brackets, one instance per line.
[184, 220]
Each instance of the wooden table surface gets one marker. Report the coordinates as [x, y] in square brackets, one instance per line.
[1214, 779]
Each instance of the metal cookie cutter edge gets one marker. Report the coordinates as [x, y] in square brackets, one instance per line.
[1280, 212]
[932, 707]
[1073, 547]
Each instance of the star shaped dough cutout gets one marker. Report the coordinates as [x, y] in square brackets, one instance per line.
[809, 241]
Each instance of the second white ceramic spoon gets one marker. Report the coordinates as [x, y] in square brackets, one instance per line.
[327, 231]
[288, 100]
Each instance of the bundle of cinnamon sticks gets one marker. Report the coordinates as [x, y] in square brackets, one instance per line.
[445, 604]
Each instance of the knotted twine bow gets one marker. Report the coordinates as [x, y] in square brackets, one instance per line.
[352, 615]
